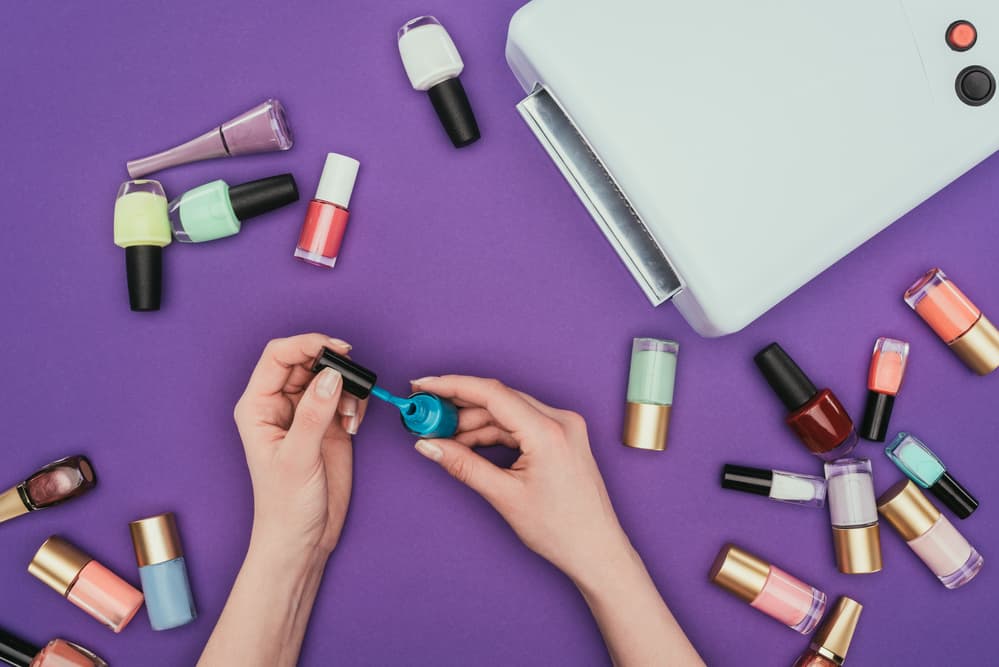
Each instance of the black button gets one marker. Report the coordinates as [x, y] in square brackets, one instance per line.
[975, 85]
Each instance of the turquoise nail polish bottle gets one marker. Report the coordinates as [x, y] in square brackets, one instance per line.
[215, 210]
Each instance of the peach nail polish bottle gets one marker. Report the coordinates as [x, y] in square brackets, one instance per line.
[86, 583]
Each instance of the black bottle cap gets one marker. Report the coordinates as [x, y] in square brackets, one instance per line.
[876, 416]
[263, 195]
[357, 380]
[750, 480]
[452, 107]
[954, 496]
[15, 651]
[788, 381]
[144, 266]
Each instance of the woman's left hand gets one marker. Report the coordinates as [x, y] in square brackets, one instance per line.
[296, 428]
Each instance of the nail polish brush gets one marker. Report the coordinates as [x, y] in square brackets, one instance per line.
[423, 414]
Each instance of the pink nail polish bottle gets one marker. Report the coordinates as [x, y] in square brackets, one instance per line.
[79, 578]
[327, 215]
[768, 588]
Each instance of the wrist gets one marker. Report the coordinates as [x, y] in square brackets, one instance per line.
[604, 570]
[273, 550]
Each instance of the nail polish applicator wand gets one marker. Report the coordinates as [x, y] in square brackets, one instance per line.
[423, 414]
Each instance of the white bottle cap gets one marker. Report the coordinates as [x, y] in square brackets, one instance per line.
[428, 53]
[337, 181]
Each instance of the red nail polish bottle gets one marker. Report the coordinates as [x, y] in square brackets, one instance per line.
[818, 417]
[326, 218]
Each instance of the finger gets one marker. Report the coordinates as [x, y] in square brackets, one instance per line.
[282, 356]
[313, 417]
[493, 483]
[487, 437]
[470, 419]
[507, 407]
[543, 408]
[352, 423]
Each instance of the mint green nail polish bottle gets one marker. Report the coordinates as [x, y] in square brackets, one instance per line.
[215, 210]
[650, 393]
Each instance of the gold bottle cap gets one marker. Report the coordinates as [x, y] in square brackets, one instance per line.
[739, 572]
[833, 639]
[906, 508]
[156, 539]
[646, 426]
[858, 550]
[12, 504]
[58, 563]
[978, 347]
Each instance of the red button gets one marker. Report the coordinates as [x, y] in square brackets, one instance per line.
[961, 35]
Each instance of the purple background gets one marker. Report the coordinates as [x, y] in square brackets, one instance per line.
[479, 261]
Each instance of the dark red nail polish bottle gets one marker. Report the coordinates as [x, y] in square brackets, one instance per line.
[818, 417]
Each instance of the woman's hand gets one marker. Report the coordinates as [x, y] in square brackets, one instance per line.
[296, 428]
[553, 496]
[555, 499]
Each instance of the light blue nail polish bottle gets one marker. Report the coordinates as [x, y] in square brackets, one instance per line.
[163, 571]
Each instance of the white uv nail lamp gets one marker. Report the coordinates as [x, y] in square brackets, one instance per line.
[731, 151]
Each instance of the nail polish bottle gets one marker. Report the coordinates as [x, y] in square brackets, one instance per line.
[326, 217]
[956, 320]
[54, 484]
[262, 129]
[433, 64]
[787, 487]
[832, 641]
[817, 417]
[215, 210]
[884, 378]
[163, 571]
[650, 393]
[86, 583]
[142, 228]
[930, 534]
[768, 588]
[923, 467]
[423, 414]
[17, 652]
[854, 514]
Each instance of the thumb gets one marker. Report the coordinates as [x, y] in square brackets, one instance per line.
[314, 415]
[488, 480]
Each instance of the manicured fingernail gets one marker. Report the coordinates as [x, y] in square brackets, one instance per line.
[353, 424]
[348, 406]
[430, 450]
[429, 378]
[327, 383]
[341, 343]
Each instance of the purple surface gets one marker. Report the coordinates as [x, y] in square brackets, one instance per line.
[476, 261]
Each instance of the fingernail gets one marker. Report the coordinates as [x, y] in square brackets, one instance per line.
[327, 383]
[348, 406]
[341, 343]
[429, 378]
[430, 450]
[353, 424]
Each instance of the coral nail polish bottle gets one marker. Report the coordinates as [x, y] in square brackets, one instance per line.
[930, 534]
[54, 484]
[817, 417]
[956, 320]
[17, 652]
[326, 218]
[86, 583]
[163, 571]
[884, 379]
[832, 641]
[768, 588]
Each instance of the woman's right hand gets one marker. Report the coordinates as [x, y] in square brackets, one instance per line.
[553, 495]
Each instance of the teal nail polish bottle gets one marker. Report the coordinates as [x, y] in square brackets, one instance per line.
[215, 210]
